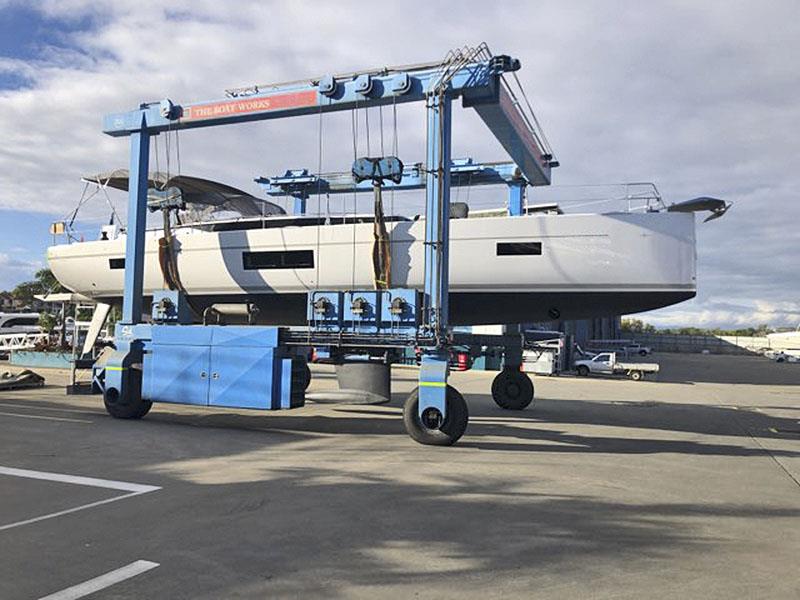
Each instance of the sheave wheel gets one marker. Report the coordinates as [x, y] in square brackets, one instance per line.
[512, 390]
[583, 370]
[432, 433]
[119, 409]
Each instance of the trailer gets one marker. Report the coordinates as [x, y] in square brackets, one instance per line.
[606, 363]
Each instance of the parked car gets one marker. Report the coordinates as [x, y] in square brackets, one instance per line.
[637, 348]
[606, 363]
[626, 347]
[788, 356]
[460, 358]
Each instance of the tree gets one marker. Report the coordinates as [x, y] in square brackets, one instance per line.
[47, 322]
[44, 283]
[632, 325]
[637, 326]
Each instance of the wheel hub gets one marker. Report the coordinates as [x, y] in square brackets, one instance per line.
[431, 418]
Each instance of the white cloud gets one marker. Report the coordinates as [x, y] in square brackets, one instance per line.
[700, 98]
[712, 314]
[14, 269]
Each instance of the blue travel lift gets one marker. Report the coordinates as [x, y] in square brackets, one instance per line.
[263, 367]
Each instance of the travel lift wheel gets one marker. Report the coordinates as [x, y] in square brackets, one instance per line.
[130, 409]
[306, 377]
[512, 390]
[429, 429]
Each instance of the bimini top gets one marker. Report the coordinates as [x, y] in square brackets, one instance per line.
[202, 197]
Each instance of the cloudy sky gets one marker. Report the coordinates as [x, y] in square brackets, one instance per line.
[699, 97]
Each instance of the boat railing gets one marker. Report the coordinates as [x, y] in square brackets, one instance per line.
[614, 197]
[599, 198]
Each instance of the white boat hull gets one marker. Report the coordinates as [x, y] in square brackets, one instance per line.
[590, 265]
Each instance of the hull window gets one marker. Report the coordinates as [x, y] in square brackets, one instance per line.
[519, 248]
[290, 259]
[116, 263]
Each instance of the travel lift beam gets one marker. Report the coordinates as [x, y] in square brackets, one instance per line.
[301, 184]
[174, 362]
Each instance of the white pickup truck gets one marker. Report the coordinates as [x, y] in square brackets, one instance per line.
[606, 363]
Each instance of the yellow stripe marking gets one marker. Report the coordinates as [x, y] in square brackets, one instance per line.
[115, 368]
[432, 384]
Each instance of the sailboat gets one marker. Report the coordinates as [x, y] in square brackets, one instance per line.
[228, 246]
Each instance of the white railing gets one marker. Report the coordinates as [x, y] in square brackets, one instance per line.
[603, 197]
[20, 341]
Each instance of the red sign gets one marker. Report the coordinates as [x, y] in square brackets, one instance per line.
[243, 106]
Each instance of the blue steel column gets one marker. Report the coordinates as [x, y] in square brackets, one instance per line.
[137, 217]
[437, 214]
[300, 201]
[516, 199]
[434, 369]
[512, 356]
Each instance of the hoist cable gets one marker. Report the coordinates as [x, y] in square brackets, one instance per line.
[366, 126]
[354, 129]
[319, 194]
[380, 122]
[394, 153]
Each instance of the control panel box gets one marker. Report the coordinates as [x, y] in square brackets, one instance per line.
[394, 311]
[324, 311]
[400, 310]
[235, 367]
[170, 306]
[362, 311]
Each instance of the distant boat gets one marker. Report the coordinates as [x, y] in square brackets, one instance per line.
[787, 340]
[27, 322]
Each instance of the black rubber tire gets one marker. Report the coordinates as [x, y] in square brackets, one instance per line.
[454, 426]
[307, 374]
[135, 409]
[512, 390]
[583, 370]
[636, 375]
[642, 352]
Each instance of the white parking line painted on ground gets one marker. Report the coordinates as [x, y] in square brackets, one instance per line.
[68, 420]
[79, 480]
[51, 408]
[133, 489]
[103, 581]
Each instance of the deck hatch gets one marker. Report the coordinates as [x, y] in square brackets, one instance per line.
[519, 248]
[288, 259]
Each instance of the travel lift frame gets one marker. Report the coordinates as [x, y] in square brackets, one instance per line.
[260, 367]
